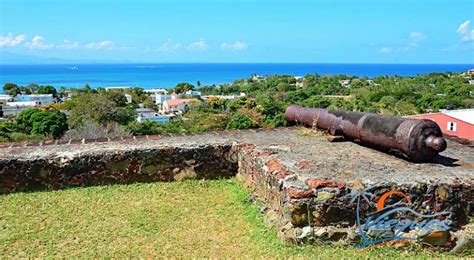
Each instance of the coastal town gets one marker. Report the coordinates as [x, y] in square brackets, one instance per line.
[239, 105]
[217, 129]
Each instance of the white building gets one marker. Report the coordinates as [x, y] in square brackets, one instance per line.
[42, 99]
[193, 93]
[157, 91]
[118, 88]
[14, 108]
[129, 98]
[153, 117]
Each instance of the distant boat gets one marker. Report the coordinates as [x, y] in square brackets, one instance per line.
[72, 68]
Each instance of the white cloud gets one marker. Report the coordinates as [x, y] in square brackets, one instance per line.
[236, 46]
[38, 43]
[10, 40]
[102, 45]
[417, 36]
[464, 30]
[67, 44]
[413, 41]
[200, 45]
[169, 46]
[385, 50]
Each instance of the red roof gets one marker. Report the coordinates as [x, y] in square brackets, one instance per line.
[174, 102]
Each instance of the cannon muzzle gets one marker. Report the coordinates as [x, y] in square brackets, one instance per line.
[418, 140]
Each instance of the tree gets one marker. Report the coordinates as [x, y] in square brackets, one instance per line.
[48, 122]
[117, 97]
[23, 120]
[91, 107]
[32, 87]
[216, 102]
[47, 90]
[241, 121]
[183, 87]
[11, 89]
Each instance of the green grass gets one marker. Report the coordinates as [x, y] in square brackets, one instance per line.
[187, 219]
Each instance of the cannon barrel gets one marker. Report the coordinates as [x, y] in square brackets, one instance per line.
[414, 139]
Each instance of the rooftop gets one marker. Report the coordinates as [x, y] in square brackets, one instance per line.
[174, 102]
[466, 115]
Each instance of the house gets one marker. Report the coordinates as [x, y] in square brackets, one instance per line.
[153, 117]
[129, 98]
[14, 108]
[470, 72]
[345, 82]
[177, 105]
[159, 99]
[193, 93]
[471, 81]
[6, 97]
[157, 91]
[458, 123]
[42, 99]
[118, 88]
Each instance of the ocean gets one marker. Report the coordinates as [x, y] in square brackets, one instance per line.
[168, 75]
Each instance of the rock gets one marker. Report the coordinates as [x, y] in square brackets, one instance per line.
[271, 218]
[336, 138]
[436, 238]
[379, 233]
[286, 233]
[299, 193]
[322, 183]
[324, 195]
[307, 235]
[464, 244]
[331, 233]
[442, 193]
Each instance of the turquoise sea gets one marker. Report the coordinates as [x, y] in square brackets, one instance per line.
[168, 75]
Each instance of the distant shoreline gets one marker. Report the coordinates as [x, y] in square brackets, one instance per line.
[167, 75]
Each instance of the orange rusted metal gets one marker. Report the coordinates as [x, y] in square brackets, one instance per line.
[414, 139]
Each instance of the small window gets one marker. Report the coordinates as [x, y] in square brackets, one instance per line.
[452, 126]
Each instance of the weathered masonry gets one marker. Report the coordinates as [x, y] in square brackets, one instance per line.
[306, 184]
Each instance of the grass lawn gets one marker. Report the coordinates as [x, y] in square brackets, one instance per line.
[188, 219]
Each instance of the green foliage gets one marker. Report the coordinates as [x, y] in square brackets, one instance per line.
[183, 87]
[48, 122]
[205, 121]
[6, 128]
[116, 96]
[98, 108]
[146, 128]
[47, 90]
[11, 89]
[241, 121]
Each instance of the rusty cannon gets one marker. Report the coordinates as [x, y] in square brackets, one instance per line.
[414, 139]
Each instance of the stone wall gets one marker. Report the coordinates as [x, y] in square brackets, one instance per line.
[305, 184]
[324, 210]
[112, 167]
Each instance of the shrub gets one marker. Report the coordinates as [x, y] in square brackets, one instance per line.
[48, 122]
[92, 130]
[241, 121]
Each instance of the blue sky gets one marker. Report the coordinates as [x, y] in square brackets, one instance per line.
[317, 31]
